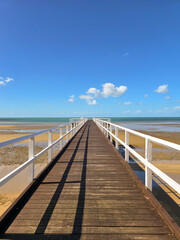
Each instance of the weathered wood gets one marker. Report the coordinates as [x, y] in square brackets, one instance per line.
[89, 194]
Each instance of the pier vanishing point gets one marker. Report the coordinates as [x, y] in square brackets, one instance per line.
[88, 191]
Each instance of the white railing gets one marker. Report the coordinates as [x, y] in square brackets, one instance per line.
[107, 129]
[71, 129]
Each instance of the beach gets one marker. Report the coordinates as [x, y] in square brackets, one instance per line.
[14, 155]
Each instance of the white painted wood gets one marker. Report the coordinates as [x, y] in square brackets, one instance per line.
[127, 143]
[148, 158]
[71, 127]
[110, 132]
[31, 154]
[60, 135]
[67, 130]
[49, 144]
[116, 134]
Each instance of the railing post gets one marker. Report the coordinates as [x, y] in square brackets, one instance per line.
[148, 157]
[67, 129]
[111, 132]
[116, 134]
[75, 127]
[60, 135]
[50, 149]
[107, 130]
[127, 143]
[71, 127]
[30, 155]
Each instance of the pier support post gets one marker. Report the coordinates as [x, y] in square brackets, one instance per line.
[148, 157]
[127, 143]
[30, 155]
[49, 143]
[60, 135]
[116, 134]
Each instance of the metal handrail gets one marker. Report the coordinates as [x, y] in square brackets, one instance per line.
[149, 167]
[74, 127]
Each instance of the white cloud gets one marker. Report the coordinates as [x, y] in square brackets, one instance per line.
[109, 90]
[138, 111]
[9, 79]
[162, 89]
[167, 97]
[92, 102]
[146, 95]
[177, 107]
[177, 100]
[140, 103]
[71, 98]
[4, 81]
[94, 91]
[89, 99]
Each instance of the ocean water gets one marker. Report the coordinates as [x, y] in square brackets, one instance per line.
[152, 124]
[170, 124]
[66, 119]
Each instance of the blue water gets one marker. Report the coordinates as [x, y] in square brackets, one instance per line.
[169, 124]
[113, 119]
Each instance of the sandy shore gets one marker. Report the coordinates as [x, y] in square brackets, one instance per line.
[11, 190]
[12, 156]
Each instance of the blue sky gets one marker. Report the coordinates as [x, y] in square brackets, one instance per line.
[89, 58]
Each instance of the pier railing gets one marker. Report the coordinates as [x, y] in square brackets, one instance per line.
[70, 129]
[111, 130]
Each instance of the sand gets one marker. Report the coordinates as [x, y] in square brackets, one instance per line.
[11, 190]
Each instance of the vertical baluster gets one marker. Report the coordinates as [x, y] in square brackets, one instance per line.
[111, 132]
[148, 157]
[71, 130]
[60, 135]
[30, 155]
[127, 143]
[116, 134]
[67, 129]
[49, 143]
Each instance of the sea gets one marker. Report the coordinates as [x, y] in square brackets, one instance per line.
[170, 124]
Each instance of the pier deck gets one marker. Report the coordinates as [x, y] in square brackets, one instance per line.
[88, 193]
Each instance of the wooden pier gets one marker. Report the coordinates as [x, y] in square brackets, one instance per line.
[87, 192]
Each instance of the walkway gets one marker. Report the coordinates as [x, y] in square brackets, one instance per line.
[89, 193]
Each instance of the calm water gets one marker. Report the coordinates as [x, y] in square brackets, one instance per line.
[113, 119]
[170, 124]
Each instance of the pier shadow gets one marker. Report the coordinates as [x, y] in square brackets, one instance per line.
[78, 220]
